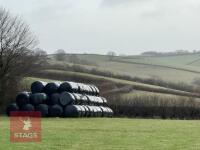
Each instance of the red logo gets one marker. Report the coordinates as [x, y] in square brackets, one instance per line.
[25, 126]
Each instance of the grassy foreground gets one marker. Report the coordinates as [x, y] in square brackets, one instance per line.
[109, 134]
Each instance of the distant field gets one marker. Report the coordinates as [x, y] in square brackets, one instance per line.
[134, 85]
[157, 67]
[112, 134]
[152, 98]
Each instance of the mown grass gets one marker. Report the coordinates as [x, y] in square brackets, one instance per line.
[109, 134]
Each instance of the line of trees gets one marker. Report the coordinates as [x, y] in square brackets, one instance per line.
[177, 52]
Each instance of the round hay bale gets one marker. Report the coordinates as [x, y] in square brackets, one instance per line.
[68, 87]
[104, 101]
[95, 114]
[43, 109]
[23, 98]
[99, 111]
[110, 112]
[85, 100]
[91, 112]
[105, 112]
[97, 101]
[38, 87]
[55, 111]
[27, 107]
[81, 88]
[11, 108]
[102, 109]
[38, 98]
[87, 111]
[100, 101]
[93, 90]
[83, 113]
[54, 99]
[78, 100]
[91, 100]
[66, 99]
[51, 88]
[97, 90]
[72, 111]
[87, 89]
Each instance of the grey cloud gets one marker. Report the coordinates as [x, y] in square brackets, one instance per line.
[139, 25]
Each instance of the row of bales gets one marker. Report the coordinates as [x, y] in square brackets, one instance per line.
[62, 99]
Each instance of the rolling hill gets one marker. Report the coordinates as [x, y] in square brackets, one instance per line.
[177, 68]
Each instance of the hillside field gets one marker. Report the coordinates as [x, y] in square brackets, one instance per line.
[112, 134]
[177, 68]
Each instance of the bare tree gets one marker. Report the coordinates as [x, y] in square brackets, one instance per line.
[60, 55]
[16, 57]
[111, 55]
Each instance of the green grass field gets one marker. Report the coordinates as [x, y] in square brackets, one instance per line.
[109, 134]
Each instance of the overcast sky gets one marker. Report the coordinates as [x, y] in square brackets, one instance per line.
[124, 26]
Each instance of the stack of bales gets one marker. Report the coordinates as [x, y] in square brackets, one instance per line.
[62, 99]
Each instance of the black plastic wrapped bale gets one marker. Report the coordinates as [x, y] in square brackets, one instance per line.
[55, 111]
[81, 88]
[104, 101]
[91, 112]
[107, 111]
[66, 99]
[27, 107]
[72, 111]
[104, 111]
[43, 108]
[99, 111]
[94, 111]
[94, 91]
[54, 99]
[23, 98]
[78, 100]
[38, 87]
[87, 111]
[68, 87]
[11, 108]
[51, 88]
[99, 101]
[94, 100]
[83, 113]
[87, 89]
[84, 100]
[110, 111]
[38, 98]
[90, 100]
